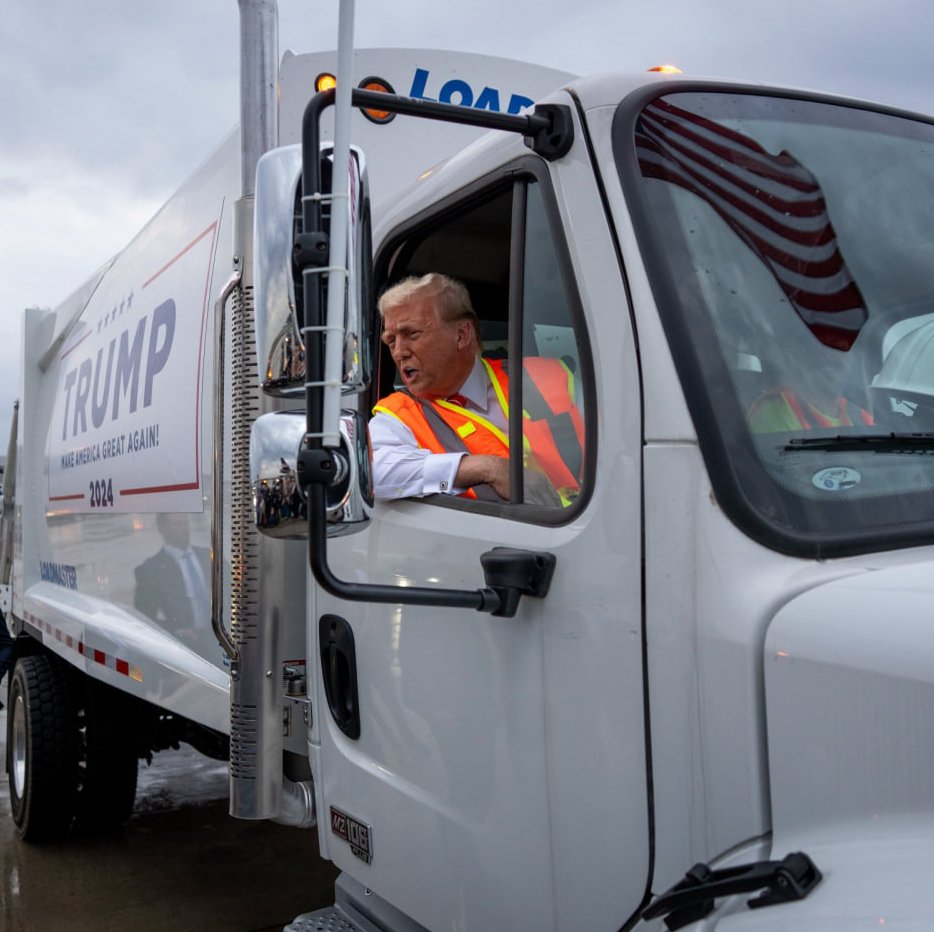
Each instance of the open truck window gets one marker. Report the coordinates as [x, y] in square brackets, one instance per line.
[505, 248]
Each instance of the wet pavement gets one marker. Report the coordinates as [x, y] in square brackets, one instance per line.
[181, 863]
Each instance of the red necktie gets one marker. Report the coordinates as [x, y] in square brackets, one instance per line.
[458, 400]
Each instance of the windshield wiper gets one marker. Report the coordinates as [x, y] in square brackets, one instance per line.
[892, 442]
[692, 898]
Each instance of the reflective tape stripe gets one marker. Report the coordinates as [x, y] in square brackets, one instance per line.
[89, 652]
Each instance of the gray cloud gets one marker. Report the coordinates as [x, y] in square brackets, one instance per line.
[12, 188]
[108, 106]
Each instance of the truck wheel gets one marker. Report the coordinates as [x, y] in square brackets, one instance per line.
[107, 759]
[41, 748]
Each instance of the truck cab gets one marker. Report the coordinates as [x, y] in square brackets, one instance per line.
[733, 277]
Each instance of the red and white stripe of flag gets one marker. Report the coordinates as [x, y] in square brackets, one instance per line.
[772, 202]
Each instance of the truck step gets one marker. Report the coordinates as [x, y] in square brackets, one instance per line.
[329, 919]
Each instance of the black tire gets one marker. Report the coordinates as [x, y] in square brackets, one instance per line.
[42, 758]
[107, 758]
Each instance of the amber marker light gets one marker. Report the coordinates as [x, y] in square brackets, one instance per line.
[324, 82]
[666, 69]
[381, 87]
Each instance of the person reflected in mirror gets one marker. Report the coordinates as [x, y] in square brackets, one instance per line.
[173, 586]
[447, 429]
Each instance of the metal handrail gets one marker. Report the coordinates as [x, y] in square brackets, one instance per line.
[217, 525]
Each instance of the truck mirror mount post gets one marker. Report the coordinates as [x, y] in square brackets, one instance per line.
[548, 130]
[527, 573]
[319, 462]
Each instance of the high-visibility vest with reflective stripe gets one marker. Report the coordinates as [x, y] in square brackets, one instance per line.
[480, 436]
[555, 384]
[781, 409]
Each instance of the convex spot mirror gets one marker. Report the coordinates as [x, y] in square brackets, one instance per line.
[278, 292]
[279, 504]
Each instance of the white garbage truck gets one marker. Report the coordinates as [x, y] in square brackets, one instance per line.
[696, 691]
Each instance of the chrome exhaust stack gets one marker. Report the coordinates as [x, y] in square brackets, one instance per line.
[259, 67]
[256, 785]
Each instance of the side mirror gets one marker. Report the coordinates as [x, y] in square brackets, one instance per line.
[358, 345]
[279, 504]
[278, 297]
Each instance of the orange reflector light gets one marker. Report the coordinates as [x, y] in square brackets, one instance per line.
[667, 69]
[381, 87]
[324, 82]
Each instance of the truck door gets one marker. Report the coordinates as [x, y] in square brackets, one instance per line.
[482, 772]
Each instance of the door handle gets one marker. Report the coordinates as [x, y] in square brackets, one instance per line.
[339, 673]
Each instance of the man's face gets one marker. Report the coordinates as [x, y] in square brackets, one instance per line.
[175, 530]
[433, 358]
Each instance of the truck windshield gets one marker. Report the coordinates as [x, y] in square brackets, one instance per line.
[790, 247]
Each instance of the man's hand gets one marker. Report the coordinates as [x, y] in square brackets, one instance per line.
[484, 469]
[539, 490]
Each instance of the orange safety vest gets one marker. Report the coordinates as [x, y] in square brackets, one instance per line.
[781, 409]
[549, 378]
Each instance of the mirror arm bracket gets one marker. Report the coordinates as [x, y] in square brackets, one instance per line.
[483, 600]
[315, 464]
[548, 130]
[509, 574]
[512, 573]
[311, 250]
[551, 131]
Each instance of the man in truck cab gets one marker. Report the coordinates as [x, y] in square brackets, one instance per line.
[446, 430]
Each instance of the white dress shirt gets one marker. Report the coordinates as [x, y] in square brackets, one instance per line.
[401, 468]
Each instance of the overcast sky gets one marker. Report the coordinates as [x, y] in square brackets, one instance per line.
[108, 105]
